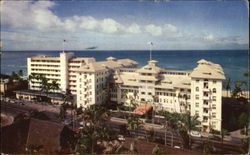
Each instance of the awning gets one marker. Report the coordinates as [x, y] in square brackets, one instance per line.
[143, 109]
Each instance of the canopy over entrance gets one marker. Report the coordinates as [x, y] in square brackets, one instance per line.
[143, 109]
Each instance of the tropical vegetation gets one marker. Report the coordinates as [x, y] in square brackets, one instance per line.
[46, 85]
[93, 131]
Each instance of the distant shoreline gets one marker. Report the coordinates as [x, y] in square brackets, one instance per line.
[212, 50]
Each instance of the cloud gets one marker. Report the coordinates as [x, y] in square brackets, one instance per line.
[86, 22]
[209, 37]
[110, 26]
[134, 28]
[38, 15]
[28, 15]
[223, 42]
[169, 28]
[153, 30]
[41, 28]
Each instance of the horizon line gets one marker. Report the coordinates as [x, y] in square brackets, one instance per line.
[127, 50]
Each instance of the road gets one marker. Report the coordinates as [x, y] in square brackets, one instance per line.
[14, 109]
[118, 125]
[160, 133]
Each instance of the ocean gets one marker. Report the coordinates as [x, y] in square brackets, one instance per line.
[234, 62]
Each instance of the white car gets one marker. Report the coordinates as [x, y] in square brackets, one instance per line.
[121, 138]
[195, 133]
[177, 147]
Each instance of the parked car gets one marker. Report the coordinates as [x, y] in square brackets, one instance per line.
[195, 134]
[121, 138]
[177, 147]
[67, 122]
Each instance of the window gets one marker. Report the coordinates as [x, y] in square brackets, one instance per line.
[142, 99]
[213, 106]
[214, 98]
[214, 90]
[142, 93]
[197, 97]
[213, 114]
[197, 81]
[213, 124]
[149, 93]
[214, 81]
[197, 88]
[196, 104]
[80, 80]
[80, 92]
[197, 113]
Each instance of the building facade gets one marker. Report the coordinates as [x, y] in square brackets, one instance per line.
[198, 91]
[93, 80]
[60, 69]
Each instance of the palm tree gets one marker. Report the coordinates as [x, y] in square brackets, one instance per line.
[246, 74]
[14, 76]
[187, 124]
[124, 95]
[94, 129]
[172, 119]
[243, 122]
[237, 92]
[185, 96]
[171, 123]
[54, 85]
[31, 77]
[183, 124]
[134, 123]
[44, 83]
[20, 73]
[105, 93]
[155, 99]
[227, 85]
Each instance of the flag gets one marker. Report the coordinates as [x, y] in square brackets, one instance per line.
[65, 41]
[150, 43]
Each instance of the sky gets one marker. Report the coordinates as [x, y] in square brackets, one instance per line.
[124, 25]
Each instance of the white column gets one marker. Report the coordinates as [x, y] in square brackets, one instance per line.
[64, 58]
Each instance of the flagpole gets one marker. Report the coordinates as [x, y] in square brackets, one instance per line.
[150, 51]
[63, 46]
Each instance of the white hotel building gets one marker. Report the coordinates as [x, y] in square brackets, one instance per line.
[61, 69]
[198, 91]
